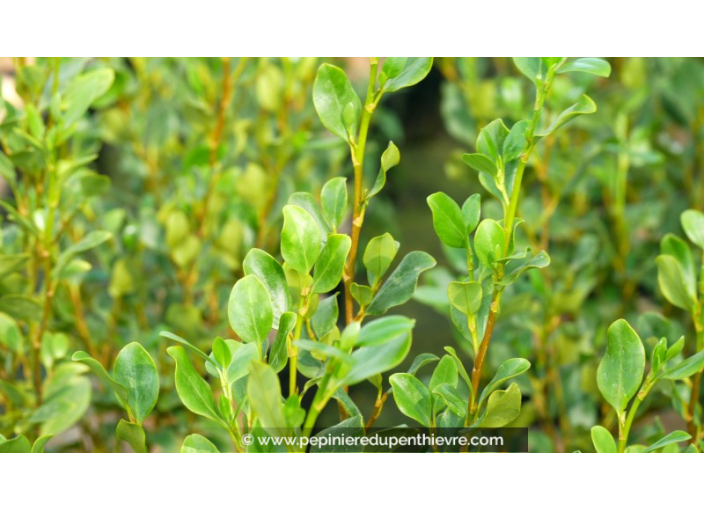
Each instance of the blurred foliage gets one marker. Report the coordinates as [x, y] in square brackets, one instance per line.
[133, 188]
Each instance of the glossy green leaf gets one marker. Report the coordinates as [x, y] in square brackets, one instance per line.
[451, 398]
[133, 435]
[195, 350]
[40, 443]
[488, 240]
[445, 373]
[693, 226]
[400, 285]
[333, 198]
[532, 67]
[584, 106]
[332, 93]
[362, 294]
[466, 297]
[420, 361]
[119, 389]
[603, 440]
[681, 252]
[389, 159]
[673, 283]
[192, 389]
[471, 212]
[448, 220]
[135, 370]
[412, 397]
[195, 443]
[460, 367]
[621, 369]
[331, 263]
[515, 141]
[379, 254]
[19, 444]
[590, 65]
[271, 274]
[687, 368]
[491, 140]
[507, 370]
[678, 436]
[264, 395]
[278, 356]
[250, 310]
[383, 345]
[539, 261]
[503, 407]
[480, 163]
[300, 239]
[412, 71]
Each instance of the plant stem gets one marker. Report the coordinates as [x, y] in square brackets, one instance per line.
[481, 355]
[293, 358]
[625, 429]
[357, 153]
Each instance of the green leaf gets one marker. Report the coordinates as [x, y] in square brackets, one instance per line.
[448, 220]
[471, 212]
[383, 345]
[195, 443]
[332, 93]
[503, 407]
[97, 368]
[133, 435]
[135, 370]
[588, 65]
[420, 361]
[40, 443]
[10, 263]
[333, 199]
[19, 444]
[412, 397]
[195, 350]
[308, 203]
[389, 159]
[465, 296]
[250, 310]
[621, 369]
[532, 67]
[515, 141]
[460, 367]
[83, 91]
[445, 373]
[489, 240]
[674, 349]
[331, 263]
[413, 71]
[325, 317]
[491, 140]
[452, 399]
[680, 250]
[300, 239]
[194, 392]
[582, 107]
[264, 395]
[540, 261]
[673, 283]
[379, 254]
[279, 351]
[401, 284]
[271, 275]
[677, 436]
[693, 226]
[507, 370]
[480, 163]
[687, 368]
[89, 242]
[242, 356]
[67, 396]
[603, 440]
[362, 294]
